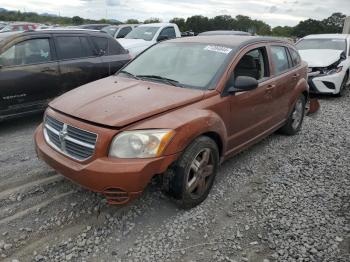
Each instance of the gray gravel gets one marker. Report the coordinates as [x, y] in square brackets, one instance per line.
[284, 199]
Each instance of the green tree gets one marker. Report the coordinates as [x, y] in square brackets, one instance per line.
[198, 23]
[334, 23]
[308, 27]
[77, 20]
[181, 23]
[132, 21]
[285, 31]
[222, 22]
[152, 20]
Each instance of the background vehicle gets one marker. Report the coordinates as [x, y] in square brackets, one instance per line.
[93, 26]
[225, 32]
[19, 27]
[40, 65]
[146, 35]
[178, 109]
[118, 31]
[328, 57]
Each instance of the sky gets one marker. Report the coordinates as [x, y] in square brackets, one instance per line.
[273, 12]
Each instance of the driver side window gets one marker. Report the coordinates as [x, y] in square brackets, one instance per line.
[253, 64]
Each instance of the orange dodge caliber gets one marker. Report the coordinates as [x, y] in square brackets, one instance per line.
[177, 110]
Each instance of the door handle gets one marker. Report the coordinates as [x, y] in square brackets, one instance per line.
[270, 87]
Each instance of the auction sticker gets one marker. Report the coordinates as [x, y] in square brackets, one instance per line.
[219, 49]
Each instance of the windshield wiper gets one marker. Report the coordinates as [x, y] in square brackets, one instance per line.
[129, 74]
[163, 79]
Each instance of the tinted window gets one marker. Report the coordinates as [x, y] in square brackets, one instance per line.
[114, 48]
[101, 44]
[279, 59]
[124, 31]
[168, 32]
[295, 57]
[70, 47]
[86, 47]
[32, 51]
[253, 64]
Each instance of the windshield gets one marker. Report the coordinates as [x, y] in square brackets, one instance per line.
[144, 32]
[333, 44]
[189, 65]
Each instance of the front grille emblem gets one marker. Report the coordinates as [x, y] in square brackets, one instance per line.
[62, 137]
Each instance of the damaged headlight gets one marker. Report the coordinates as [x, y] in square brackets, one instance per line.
[140, 143]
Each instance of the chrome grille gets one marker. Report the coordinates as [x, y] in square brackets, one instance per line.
[69, 140]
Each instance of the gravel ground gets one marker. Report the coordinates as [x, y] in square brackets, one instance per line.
[284, 199]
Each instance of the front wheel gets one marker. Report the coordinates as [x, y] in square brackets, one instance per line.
[194, 173]
[295, 120]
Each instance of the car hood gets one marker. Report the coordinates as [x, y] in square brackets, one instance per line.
[118, 101]
[320, 57]
[134, 43]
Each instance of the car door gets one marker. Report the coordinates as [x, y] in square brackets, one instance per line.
[286, 77]
[78, 61]
[251, 111]
[29, 73]
[113, 55]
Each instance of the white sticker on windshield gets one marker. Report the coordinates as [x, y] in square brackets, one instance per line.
[219, 49]
[148, 33]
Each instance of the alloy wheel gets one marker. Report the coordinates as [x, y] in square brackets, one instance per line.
[200, 173]
[297, 115]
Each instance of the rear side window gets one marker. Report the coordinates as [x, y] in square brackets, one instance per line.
[69, 47]
[295, 57]
[33, 51]
[86, 47]
[168, 32]
[107, 46]
[115, 48]
[101, 44]
[124, 31]
[280, 59]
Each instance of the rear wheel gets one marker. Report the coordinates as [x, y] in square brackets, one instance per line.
[193, 174]
[295, 120]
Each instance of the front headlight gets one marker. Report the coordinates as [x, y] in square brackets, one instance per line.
[140, 143]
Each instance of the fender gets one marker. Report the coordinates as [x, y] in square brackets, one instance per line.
[188, 124]
[200, 122]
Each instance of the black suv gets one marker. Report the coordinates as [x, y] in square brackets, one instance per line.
[37, 66]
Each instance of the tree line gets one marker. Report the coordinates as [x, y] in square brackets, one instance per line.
[199, 23]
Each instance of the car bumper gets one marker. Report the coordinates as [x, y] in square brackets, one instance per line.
[326, 84]
[120, 180]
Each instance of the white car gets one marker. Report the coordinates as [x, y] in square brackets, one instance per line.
[328, 57]
[147, 35]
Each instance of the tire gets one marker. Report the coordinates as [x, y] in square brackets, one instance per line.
[295, 120]
[343, 85]
[191, 177]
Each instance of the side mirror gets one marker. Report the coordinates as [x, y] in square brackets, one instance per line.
[162, 38]
[243, 83]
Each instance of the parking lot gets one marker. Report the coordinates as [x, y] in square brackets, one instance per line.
[285, 199]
